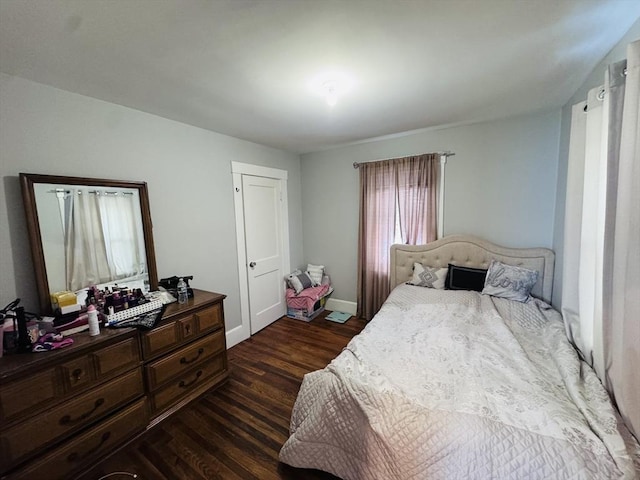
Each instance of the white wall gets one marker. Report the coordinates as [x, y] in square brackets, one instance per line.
[187, 169]
[500, 185]
[595, 78]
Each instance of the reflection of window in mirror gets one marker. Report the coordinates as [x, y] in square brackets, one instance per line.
[90, 235]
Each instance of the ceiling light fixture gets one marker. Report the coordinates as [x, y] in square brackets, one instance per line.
[331, 85]
[331, 92]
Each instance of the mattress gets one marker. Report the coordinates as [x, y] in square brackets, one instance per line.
[455, 384]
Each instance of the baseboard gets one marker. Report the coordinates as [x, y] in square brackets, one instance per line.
[236, 335]
[341, 306]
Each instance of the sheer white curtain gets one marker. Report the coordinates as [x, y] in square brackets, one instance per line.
[103, 239]
[622, 327]
[573, 226]
[123, 237]
[86, 257]
[601, 291]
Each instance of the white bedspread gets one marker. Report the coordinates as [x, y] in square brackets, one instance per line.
[450, 384]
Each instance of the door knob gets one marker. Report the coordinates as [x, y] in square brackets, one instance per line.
[252, 264]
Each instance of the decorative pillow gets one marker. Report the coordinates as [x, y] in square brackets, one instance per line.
[430, 277]
[299, 281]
[287, 279]
[465, 278]
[508, 281]
[316, 272]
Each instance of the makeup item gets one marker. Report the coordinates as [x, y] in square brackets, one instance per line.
[117, 301]
[91, 297]
[133, 300]
[94, 324]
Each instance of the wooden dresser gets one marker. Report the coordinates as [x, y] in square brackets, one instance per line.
[63, 410]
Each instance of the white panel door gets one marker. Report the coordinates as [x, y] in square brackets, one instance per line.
[264, 248]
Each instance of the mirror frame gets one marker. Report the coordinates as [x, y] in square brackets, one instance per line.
[27, 181]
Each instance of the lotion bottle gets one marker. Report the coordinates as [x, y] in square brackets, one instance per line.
[94, 324]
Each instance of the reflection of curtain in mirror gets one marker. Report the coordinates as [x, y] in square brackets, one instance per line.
[103, 242]
[122, 235]
[86, 258]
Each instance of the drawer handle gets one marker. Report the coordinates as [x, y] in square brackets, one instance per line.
[75, 456]
[182, 383]
[186, 360]
[76, 374]
[66, 420]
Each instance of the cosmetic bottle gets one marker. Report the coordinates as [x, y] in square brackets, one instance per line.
[94, 324]
[108, 305]
[91, 299]
[117, 301]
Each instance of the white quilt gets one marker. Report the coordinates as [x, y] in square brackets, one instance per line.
[458, 385]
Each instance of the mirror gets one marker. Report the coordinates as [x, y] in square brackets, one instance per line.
[88, 231]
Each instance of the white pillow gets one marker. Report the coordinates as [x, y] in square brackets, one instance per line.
[299, 281]
[430, 277]
[509, 281]
[315, 272]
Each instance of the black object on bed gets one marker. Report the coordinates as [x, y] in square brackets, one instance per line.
[465, 278]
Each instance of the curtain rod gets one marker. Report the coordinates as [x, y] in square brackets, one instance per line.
[442, 154]
[93, 192]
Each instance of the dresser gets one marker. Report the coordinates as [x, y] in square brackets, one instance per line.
[63, 410]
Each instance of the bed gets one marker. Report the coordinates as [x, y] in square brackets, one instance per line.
[448, 384]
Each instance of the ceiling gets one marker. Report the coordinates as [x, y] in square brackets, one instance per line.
[244, 67]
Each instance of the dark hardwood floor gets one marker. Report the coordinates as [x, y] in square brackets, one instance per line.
[236, 431]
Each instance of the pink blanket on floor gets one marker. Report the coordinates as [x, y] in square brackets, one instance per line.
[306, 298]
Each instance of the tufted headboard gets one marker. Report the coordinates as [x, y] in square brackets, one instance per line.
[470, 251]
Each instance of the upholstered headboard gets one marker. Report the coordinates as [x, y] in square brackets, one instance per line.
[470, 251]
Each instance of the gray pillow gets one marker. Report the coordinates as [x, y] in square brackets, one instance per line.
[299, 281]
[429, 277]
[510, 282]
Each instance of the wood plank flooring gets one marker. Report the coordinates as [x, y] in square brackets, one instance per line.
[236, 431]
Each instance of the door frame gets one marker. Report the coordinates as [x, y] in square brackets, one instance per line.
[243, 332]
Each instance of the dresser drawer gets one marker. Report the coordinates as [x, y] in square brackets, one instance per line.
[89, 446]
[187, 327]
[35, 433]
[181, 330]
[98, 365]
[160, 339]
[28, 394]
[117, 358]
[77, 373]
[210, 318]
[184, 359]
[197, 379]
